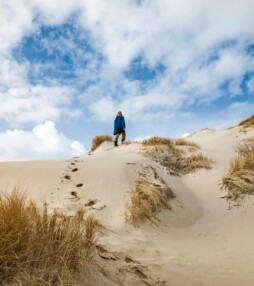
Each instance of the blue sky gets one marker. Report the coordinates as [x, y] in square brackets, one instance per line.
[66, 68]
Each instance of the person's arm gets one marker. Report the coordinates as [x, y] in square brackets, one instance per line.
[123, 123]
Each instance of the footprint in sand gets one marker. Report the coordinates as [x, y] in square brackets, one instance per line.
[128, 259]
[143, 273]
[91, 202]
[74, 196]
[128, 266]
[67, 177]
[105, 254]
[139, 272]
[74, 170]
[79, 185]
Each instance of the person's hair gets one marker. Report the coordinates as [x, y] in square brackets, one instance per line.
[119, 113]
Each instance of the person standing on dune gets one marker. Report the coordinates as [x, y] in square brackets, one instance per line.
[119, 128]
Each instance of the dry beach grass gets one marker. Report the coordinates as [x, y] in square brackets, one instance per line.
[37, 248]
[157, 141]
[165, 151]
[184, 142]
[239, 178]
[150, 194]
[146, 199]
[248, 122]
[246, 148]
[155, 228]
[98, 140]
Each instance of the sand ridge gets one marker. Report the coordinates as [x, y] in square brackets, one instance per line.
[198, 242]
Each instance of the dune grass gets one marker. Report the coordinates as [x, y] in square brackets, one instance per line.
[156, 141]
[164, 151]
[128, 142]
[98, 140]
[184, 142]
[246, 148]
[249, 122]
[239, 178]
[37, 248]
[180, 165]
[197, 161]
[146, 199]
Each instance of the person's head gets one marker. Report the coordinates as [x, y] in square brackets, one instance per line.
[119, 113]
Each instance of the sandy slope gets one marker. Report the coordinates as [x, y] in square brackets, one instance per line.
[199, 242]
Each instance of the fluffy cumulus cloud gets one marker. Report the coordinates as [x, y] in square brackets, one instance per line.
[23, 101]
[85, 60]
[44, 141]
[204, 48]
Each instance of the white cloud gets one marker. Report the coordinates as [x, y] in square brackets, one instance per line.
[12, 73]
[43, 142]
[205, 81]
[202, 46]
[185, 135]
[173, 30]
[230, 116]
[140, 139]
[54, 12]
[23, 102]
[15, 21]
[36, 103]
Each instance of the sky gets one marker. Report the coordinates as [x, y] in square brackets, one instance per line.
[171, 66]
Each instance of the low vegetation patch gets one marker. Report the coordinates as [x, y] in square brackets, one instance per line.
[128, 142]
[247, 123]
[239, 178]
[165, 152]
[184, 142]
[146, 199]
[156, 141]
[246, 148]
[37, 248]
[98, 140]
[150, 194]
[194, 162]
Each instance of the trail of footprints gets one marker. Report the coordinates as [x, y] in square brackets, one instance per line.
[120, 266]
[71, 190]
[69, 175]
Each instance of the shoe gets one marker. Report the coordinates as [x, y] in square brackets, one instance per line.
[116, 144]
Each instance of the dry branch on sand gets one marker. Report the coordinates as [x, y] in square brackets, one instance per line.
[239, 178]
[37, 248]
[98, 140]
[147, 198]
[165, 152]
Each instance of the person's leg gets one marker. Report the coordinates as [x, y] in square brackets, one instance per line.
[123, 137]
[116, 139]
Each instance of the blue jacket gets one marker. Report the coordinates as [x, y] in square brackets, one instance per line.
[119, 125]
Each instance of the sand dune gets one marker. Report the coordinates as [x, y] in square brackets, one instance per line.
[200, 241]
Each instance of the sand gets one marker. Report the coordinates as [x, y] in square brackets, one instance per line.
[202, 240]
